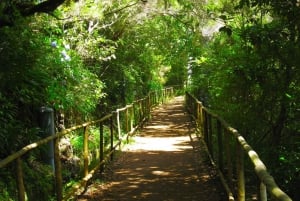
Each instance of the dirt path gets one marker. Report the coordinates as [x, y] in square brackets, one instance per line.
[165, 163]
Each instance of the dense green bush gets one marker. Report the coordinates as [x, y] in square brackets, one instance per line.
[248, 73]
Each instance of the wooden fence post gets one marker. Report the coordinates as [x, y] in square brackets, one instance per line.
[140, 111]
[101, 148]
[205, 127]
[85, 151]
[240, 172]
[118, 124]
[127, 119]
[58, 171]
[263, 192]
[202, 123]
[131, 118]
[20, 182]
[111, 137]
[199, 116]
[210, 136]
[134, 113]
[220, 146]
[228, 158]
[148, 107]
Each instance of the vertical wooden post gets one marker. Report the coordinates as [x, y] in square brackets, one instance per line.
[201, 118]
[149, 104]
[199, 115]
[20, 182]
[263, 192]
[127, 119]
[167, 94]
[201, 123]
[205, 127]
[151, 99]
[58, 171]
[228, 158]
[134, 114]
[140, 111]
[240, 172]
[195, 108]
[118, 124]
[196, 112]
[210, 136]
[220, 146]
[131, 117]
[101, 148]
[147, 107]
[144, 108]
[111, 137]
[85, 151]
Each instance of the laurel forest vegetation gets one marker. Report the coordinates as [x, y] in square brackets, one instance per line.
[84, 58]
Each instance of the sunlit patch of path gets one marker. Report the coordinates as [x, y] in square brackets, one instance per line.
[161, 144]
[165, 163]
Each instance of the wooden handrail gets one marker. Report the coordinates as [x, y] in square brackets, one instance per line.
[34, 145]
[134, 116]
[203, 118]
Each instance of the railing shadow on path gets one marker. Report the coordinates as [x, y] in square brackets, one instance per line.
[111, 131]
[164, 163]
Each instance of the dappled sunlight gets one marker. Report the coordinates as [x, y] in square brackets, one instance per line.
[158, 127]
[161, 163]
[156, 181]
[163, 173]
[161, 143]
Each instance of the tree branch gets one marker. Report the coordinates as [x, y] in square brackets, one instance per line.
[43, 7]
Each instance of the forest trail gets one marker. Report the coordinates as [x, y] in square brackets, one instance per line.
[166, 162]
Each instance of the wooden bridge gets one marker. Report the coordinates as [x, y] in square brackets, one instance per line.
[183, 176]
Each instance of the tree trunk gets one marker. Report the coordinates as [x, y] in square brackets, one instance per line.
[279, 126]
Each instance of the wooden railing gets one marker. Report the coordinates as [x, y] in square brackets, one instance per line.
[226, 148]
[119, 124]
